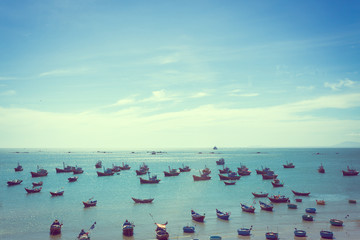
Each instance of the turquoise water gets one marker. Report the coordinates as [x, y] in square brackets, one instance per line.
[30, 215]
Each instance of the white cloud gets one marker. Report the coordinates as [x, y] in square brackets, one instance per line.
[342, 83]
[62, 72]
[7, 78]
[8, 93]
[200, 95]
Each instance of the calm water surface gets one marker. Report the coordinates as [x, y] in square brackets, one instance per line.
[30, 215]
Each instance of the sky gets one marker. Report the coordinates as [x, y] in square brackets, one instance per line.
[179, 74]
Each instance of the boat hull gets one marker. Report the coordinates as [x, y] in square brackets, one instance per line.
[326, 234]
[300, 233]
[35, 190]
[168, 174]
[101, 174]
[223, 177]
[57, 193]
[128, 231]
[145, 181]
[201, 178]
[55, 229]
[350, 173]
[260, 195]
[244, 232]
[188, 229]
[136, 200]
[278, 200]
[301, 193]
[336, 222]
[13, 183]
[90, 204]
[35, 174]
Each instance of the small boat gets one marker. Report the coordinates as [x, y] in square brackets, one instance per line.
[39, 173]
[272, 235]
[65, 169]
[98, 164]
[278, 199]
[90, 203]
[321, 169]
[141, 172]
[301, 193]
[19, 168]
[85, 235]
[262, 171]
[107, 172]
[260, 194]
[289, 165]
[55, 228]
[14, 182]
[221, 161]
[37, 184]
[197, 217]
[244, 231]
[128, 228]
[222, 215]
[298, 199]
[248, 209]
[78, 170]
[203, 176]
[299, 233]
[230, 176]
[185, 169]
[161, 233]
[310, 210]
[189, 229]
[307, 217]
[33, 190]
[266, 207]
[229, 183]
[350, 172]
[277, 183]
[115, 168]
[292, 206]
[57, 193]
[125, 166]
[215, 148]
[73, 179]
[244, 172]
[171, 173]
[352, 201]
[137, 200]
[320, 202]
[224, 170]
[152, 180]
[215, 238]
[206, 171]
[326, 234]
[269, 175]
[336, 222]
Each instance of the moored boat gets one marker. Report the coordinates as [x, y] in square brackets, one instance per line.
[260, 194]
[224, 170]
[19, 168]
[171, 173]
[299, 233]
[221, 161]
[289, 165]
[352, 201]
[197, 217]
[115, 168]
[272, 235]
[33, 190]
[292, 206]
[321, 169]
[39, 173]
[185, 169]
[307, 217]
[137, 200]
[14, 182]
[161, 233]
[55, 228]
[37, 184]
[222, 215]
[229, 183]
[203, 176]
[262, 171]
[244, 231]
[73, 179]
[336, 222]
[310, 210]
[320, 202]
[265, 206]
[152, 180]
[278, 199]
[269, 175]
[189, 229]
[229, 176]
[57, 193]
[65, 169]
[249, 209]
[128, 228]
[326, 234]
[298, 199]
[244, 172]
[90, 203]
[301, 193]
[350, 172]
[98, 164]
[277, 183]
[107, 172]
[125, 166]
[78, 170]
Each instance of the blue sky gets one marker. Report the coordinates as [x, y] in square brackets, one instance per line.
[161, 74]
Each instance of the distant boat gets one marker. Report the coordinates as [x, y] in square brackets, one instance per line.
[229, 176]
[269, 175]
[73, 179]
[14, 182]
[171, 173]
[289, 165]
[266, 207]
[298, 199]
[189, 229]
[215, 238]
[307, 217]
[116, 168]
[260, 194]
[197, 217]
[310, 210]
[19, 168]
[33, 190]
[125, 166]
[221, 161]
[272, 235]
[321, 169]
[278, 199]
[107, 172]
[277, 183]
[350, 172]
[137, 200]
[292, 206]
[57, 193]
[352, 201]
[152, 180]
[204, 175]
[143, 169]
[128, 228]
[65, 169]
[336, 222]
[78, 170]
[301, 193]
[263, 170]
[224, 170]
[98, 164]
[229, 183]
[299, 233]
[185, 169]
[320, 202]
[244, 231]
[248, 209]
[90, 203]
[39, 173]
[326, 234]
[37, 184]
[222, 215]
[215, 148]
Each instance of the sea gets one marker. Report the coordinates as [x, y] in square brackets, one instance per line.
[29, 216]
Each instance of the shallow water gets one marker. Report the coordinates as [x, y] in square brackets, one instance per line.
[30, 215]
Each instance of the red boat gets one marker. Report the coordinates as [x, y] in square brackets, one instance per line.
[136, 200]
[185, 169]
[33, 190]
[90, 203]
[229, 183]
[141, 172]
[37, 184]
[225, 170]
[321, 169]
[125, 167]
[197, 217]
[201, 177]
[39, 173]
[289, 165]
[14, 182]
[244, 172]
[221, 161]
[116, 168]
[107, 172]
[57, 193]
[206, 171]
[230, 176]
[246, 208]
[65, 169]
[19, 168]
[350, 172]
[73, 179]
[277, 183]
[98, 164]
[263, 170]
[78, 170]
[301, 193]
[171, 173]
[260, 194]
[151, 180]
[266, 207]
[278, 199]
[269, 175]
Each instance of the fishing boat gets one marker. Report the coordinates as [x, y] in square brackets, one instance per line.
[301, 193]
[215, 238]
[277, 183]
[185, 169]
[289, 165]
[14, 182]
[161, 233]
[269, 175]
[310, 210]
[55, 228]
[326, 234]
[203, 176]
[248, 209]
[222, 215]
[90, 203]
[298, 200]
[272, 235]
[353, 201]
[73, 179]
[98, 164]
[107, 172]
[266, 207]
[39, 173]
[19, 168]
[221, 161]
[128, 228]
[78, 170]
[320, 202]
[260, 194]
[299, 233]
[278, 199]
[336, 222]
[189, 229]
[115, 168]
[321, 169]
[197, 217]
[229, 183]
[292, 206]
[206, 171]
[33, 190]
[350, 172]
[152, 180]
[141, 171]
[224, 170]
[125, 166]
[244, 172]
[137, 200]
[171, 173]
[307, 217]
[57, 193]
[229, 176]
[262, 171]
[65, 169]
[37, 184]
[85, 235]
[244, 231]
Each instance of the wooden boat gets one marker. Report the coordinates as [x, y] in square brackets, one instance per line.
[189, 229]
[152, 180]
[98, 164]
[55, 228]
[215, 238]
[298, 200]
[73, 179]
[39, 173]
[301, 193]
[84, 236]
[33, 190]
[128, 228]
[161, 233]
[269, 175]
[206, 171]
[266, 207]
[262, 171]
[202, 177]
[197, 217]
[230, 176]
[222, 215]
[90, 203]
[78, 170]
[229, 183]
[185, 169]
[321, 169]
[278, 199]
[299, 233]
[352, 201]
[272, 235]
[336, 222]
[37, 184]
[307, 217]
[19, 168]
[171, 173]
[310, 210]
[57, 193]
[289, 165]
[260, 194]
[125, 166]
[248, 209]
[224, 170]
[221, 161]
[115, 168]
[14, 182]
[326, 234]
[244, 231]
[277, 183]
[244, 172]
[350, 172]
[292, 206]
[137, 200]
[65, 169]
[107, 172]
[320, 202]
[141, 172]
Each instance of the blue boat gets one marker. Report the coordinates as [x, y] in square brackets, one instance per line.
[189, 229]
[272, 235]
[336, 222]
[310, 210]
[215, 238]
[222, 215]
[307, 218]
[244, 231]
[299, 233]
[292, 206]
[326, 234]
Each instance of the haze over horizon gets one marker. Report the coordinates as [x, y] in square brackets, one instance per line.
[173, 74]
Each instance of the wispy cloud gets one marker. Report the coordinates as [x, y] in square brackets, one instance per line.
[200, 95]
[242, 93]
[8, 93]
[2, 78]
[340, 84]
[62, 72]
